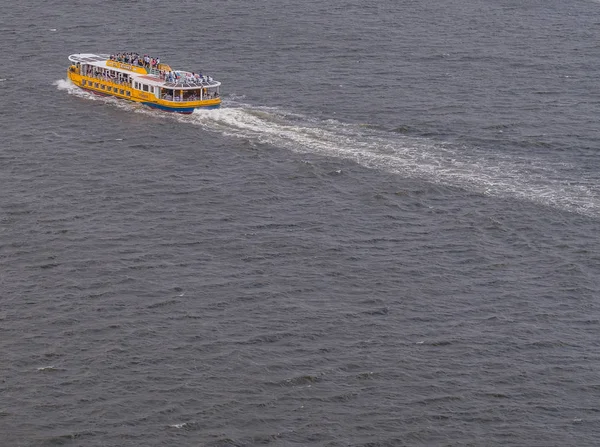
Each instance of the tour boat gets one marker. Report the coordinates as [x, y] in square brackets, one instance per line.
[144, 79]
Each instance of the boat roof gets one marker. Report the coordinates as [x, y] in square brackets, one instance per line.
[140, 73]
[88, 58]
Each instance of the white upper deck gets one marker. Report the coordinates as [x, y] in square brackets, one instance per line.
[186, 79]
[89, 58]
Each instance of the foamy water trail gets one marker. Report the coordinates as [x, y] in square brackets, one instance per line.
[483, 171]
[479, 170]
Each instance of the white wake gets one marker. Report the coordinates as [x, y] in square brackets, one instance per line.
[475, 169]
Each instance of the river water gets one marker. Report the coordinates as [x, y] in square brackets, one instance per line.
[387, 235]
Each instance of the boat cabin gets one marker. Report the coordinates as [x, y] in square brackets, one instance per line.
[154, 79]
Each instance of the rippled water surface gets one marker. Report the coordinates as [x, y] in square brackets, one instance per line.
[387, 236]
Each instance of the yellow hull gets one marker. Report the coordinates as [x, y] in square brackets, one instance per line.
[124, 91]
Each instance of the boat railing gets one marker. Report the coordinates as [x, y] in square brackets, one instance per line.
[191, 82]
[178, 99]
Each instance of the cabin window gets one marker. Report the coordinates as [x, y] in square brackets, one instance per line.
[145, 88]
[122, 92]
[103, 87]
[83, 82]
[96, 84]
[128, 93]
[108, 88]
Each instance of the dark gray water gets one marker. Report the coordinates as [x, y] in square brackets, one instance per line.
[388, 234]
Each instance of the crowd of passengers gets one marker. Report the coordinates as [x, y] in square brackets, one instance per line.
[184, 77]
[147, 61]
[135, 59]
[106, 75]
